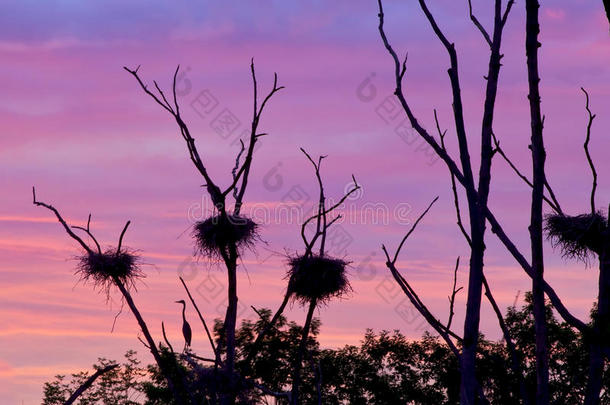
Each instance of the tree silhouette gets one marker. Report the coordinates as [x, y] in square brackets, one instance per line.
[223, 235]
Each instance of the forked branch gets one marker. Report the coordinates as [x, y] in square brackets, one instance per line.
[454, 292]
[441, 329]
[61, 221]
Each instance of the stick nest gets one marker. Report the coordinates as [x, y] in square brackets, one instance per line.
[102, 269]
[577, 236]
[319, 278]
[214, 234]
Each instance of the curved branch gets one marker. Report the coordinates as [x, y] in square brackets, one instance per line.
[61, 221]
[88, 231]
[85, 386]
[118, 249]
[477, 24]
[404, 239]
[587, 153]
[552, 201]
[205, 325]
[454, 292]
[184, 131]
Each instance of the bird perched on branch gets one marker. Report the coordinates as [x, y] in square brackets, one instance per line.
[186, 328]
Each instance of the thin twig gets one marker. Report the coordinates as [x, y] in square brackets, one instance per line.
[404, 239]
[552, 201]
[587, 153]
[118, 249]
[61, 221]
[456, 200]
[87, 230]
[236, 167]
[169, 345]
[454, 292]
[205, 325]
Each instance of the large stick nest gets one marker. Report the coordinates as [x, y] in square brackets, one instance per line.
[104, 269]
[319, 278]
[577, 236]
[215, 234]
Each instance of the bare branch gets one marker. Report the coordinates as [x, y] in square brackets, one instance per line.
[404, 239]
[254, 135]
[509, 6]
[201, 358]
[89, 383]
[462, 179]
[421, 308]
[235, 168]
[163, 97]
[458, 109]
[88, 231]
[454, 292]
[322, 223]
[451, 164]
[61, 221]
[169, 345]
[477, 24]
[118, 249]
[184, 131]
[321, 215]
[456, 200]
[587, 153]
[144, 343]
[552, 202]
[205, 325]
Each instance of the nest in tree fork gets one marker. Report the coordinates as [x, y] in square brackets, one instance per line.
[319, 278]
[104, 269]
[577, 236]
[214, 234]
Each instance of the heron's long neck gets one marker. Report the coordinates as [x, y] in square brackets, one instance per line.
[183, 311]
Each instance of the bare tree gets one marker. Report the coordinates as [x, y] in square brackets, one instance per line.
[477, 192]
[316, 278]
[535, 269]
[114, 267]
[225, 234]
[532, 29]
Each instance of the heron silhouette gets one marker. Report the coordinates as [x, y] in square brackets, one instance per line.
[186, 328]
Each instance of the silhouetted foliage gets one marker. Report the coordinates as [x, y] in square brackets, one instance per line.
[120, 386]
[385, 368]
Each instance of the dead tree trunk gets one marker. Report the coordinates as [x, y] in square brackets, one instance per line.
[535, 228]
[296, 372]
[476, 194]
[601, 329]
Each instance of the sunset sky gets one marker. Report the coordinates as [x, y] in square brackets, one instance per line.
[74, 124]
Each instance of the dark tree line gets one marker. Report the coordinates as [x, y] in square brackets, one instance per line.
[385, 368]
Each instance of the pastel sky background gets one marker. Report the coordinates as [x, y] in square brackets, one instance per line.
[76, 125]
